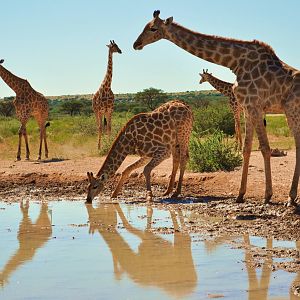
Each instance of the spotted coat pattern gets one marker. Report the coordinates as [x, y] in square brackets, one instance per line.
[263, 81]
[154, 137]
[28, 102]
[103, 100]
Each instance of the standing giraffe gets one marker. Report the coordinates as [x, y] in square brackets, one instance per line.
[28, 103]
[263, 81]
[154, 137]
[103, 100]
[225, 88]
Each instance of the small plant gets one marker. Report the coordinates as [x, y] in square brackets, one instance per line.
[213, 152]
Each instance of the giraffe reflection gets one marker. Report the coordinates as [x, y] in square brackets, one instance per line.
[258, 289]
[31, 237]
[157, 262]
[296, 281]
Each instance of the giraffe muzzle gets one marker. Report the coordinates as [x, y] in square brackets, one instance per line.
[137, 46]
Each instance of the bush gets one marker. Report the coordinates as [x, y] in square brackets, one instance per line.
[214, 117]
[213, 152]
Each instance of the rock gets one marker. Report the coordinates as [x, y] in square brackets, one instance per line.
[245, 217]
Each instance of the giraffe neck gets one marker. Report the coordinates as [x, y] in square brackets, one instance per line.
[218, 50]
[223, 87]
[14, 82]
[118, 152]
[108, 76]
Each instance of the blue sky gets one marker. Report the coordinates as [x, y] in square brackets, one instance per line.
[59, 45]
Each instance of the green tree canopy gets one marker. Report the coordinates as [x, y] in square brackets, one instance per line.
[71, 107]
[151, 97]
[7, 108]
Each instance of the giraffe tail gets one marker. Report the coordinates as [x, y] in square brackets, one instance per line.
[265, 122]
[1, 61]
[47, 124]
[104, 122]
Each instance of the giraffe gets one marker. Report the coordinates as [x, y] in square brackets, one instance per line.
[154, 137]
[225, 88]
[103, 100]
[28, 102]
[263, 81]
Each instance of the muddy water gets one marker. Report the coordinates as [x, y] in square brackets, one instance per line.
[67, 250]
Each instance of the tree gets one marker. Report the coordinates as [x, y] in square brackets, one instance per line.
[151, 97]
[7, 108]
[71, 107]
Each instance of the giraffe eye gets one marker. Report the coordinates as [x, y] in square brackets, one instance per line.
[95, 186]
[153, 29]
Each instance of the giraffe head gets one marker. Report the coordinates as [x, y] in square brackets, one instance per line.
[153, 31]
[96, 185]
[113, 47]
[204, 76]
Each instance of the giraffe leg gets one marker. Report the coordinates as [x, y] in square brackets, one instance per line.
[246, 157]
[126, 173]
[184, 155]
[45, 143]
[176, 160]
[108, 126]
[159, 156]
[237, 125]
[293, 190]
[99, 123]
[266, 152]
[26, 143]
[20, 142]
[41, 141]
[292, 114]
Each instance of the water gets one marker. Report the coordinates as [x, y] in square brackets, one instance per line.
[67, 250]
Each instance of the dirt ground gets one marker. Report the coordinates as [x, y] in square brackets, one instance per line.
[208, 196]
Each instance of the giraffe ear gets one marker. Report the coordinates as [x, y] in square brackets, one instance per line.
[104, 177]
[169, 21]
[108, 46]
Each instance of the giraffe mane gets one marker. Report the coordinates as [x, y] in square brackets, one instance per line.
[267, 47]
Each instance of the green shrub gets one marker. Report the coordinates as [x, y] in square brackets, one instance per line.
[213, 152]
[214, 117]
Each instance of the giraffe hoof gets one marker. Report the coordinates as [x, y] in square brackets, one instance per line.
[114, 195]
[267, 199]
[291, 202]
[240, 199]
[18, 158]
[166, 193]
[175, 195]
